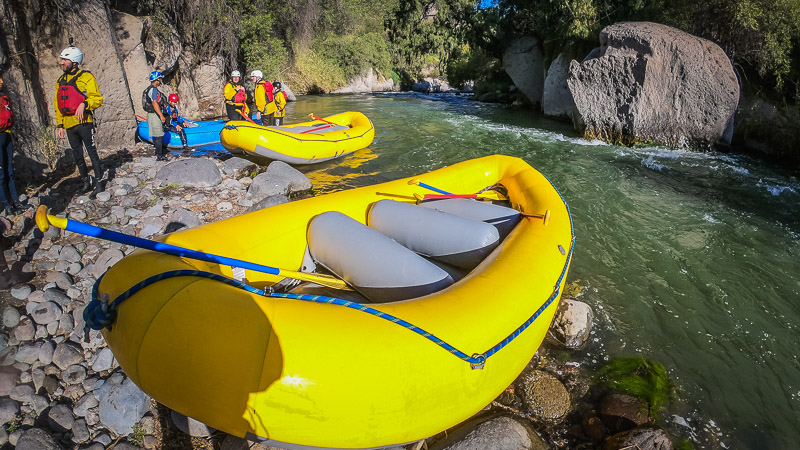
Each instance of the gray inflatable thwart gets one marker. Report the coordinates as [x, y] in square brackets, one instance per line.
[376, 266]
[445, 237]
[503, 218]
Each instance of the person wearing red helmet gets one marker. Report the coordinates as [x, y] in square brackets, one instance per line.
[176, 124]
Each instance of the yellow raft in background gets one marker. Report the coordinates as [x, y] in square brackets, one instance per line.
[301, 143]
[298, 373]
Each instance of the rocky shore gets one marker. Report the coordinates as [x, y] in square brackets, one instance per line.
[61, 387]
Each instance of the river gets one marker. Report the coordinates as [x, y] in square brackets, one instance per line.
[688, 258]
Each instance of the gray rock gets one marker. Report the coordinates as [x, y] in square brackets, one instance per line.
[74, 374]
[191, 173]
[3, 341]
[266, 185]
[151, 226]
[269, 201]
[545, 397]
[523, 61]
[62, 280]
[644, 438]
[657, 83]
[65, 325]
[22, 393]
[57, 296]
[36, 439]
[8, 410]
[67, 354]
[298, 182]
[556, 99]
[620, 412]
[28, 353]
[237, 167]
[10, 317]
[104, 196]
[122, 404]
[191, 426]
[21, 292]
[46, 312]
[46, 351]
[572, 323]
[80, 431]
[499, 433]
[104, 360]
[182, 218]
[26, 329]
[108, 258]
[83, 405]
[37, 377]
[69, 253]
[61, 418]
[8, 380]
[224, 206]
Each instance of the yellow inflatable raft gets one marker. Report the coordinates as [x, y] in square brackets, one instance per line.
[319, 372]
[302, 143]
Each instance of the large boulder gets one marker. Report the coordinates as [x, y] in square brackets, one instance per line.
[371, 81]
[208, 80]
[130, 30]
[652, 82]
[523, 61]
[556, 98]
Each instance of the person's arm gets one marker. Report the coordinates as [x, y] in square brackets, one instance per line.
[229, 92]
[59, 116]
[88, 85]
[261, 99]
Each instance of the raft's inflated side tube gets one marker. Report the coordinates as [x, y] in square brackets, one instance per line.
[376, 266]
[445, 237]
[503, 218]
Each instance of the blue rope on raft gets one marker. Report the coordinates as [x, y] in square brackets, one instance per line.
[99, 314]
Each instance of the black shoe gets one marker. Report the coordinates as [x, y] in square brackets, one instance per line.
[20, 207]
[10, 278]
[161, 158]
[87, 184]
[98, 188]
[11, 211]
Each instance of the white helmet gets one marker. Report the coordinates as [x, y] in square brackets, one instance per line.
[236, 73]
[257, 73]
[73, 54]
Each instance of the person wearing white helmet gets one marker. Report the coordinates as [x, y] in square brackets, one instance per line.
[265, 106]
[235, 97]
[76, 99]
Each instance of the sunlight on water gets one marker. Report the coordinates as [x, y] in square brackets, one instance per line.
[690, 258]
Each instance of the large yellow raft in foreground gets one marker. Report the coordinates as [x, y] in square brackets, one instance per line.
[299, 373]
[301, 143]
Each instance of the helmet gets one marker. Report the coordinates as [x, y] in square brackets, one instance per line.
[257, 73]
[73, 54]
[236, 73]
[154, 75]
[174, 98]
[277, 85]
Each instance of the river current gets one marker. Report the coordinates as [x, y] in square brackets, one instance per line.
[688, 258]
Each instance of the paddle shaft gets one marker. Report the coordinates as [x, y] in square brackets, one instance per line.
[173, 250]
[429, 187]
[316, 117]
[246, 117]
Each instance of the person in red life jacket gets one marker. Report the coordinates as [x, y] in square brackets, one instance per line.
[8, 190]
[235, 97]
[76, 99]
[280, 104]
[8, 276]
[265, 105]
[155, 105]
[176, 122]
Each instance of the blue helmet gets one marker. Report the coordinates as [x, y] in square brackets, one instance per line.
[154, 75]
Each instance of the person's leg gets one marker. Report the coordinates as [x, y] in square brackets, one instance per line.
[184, 139]
[278, 121]
[5, 173]
[10, 278]
[232, 111]
[158, 143]
[156, 134]
[87, 133]
[76, 145]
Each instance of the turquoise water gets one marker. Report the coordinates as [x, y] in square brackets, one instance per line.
[688, 258]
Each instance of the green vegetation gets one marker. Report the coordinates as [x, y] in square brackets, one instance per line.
[320, 45]
[137, 435]
[645, 379]
[13, 424]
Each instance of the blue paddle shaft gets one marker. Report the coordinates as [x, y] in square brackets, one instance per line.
[102, 233]
[428, 186]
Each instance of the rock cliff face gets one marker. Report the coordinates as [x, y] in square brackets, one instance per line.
[120, 53]
[652, 82]
[366, 83]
